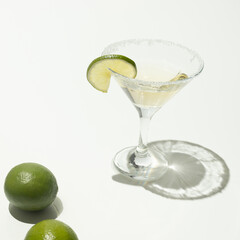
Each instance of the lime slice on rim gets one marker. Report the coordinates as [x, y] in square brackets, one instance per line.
[98, 73]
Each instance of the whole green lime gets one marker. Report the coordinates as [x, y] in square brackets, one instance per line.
[51, 230]
[30, 186]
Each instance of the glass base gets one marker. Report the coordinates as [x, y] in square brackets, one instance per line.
[149, 167]
[179, 169]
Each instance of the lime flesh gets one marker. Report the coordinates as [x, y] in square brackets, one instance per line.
[98, 73]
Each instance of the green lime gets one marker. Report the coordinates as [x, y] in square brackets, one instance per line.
[51, 230]
[98, 73]
[30, 186]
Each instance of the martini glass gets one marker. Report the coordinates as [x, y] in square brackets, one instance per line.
[163, 69]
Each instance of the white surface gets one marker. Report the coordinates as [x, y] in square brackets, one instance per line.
[51, 115]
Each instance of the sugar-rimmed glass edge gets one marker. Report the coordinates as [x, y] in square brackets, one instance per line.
[155, 84]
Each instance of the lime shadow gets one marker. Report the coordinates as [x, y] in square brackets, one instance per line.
[33, 217]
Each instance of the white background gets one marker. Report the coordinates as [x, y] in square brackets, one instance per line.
[50, 114]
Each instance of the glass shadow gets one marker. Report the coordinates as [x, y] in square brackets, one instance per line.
[199, 175]
[50, 212]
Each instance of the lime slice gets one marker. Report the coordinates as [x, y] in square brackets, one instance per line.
[98, 73]
[169, 87]
[180, 76]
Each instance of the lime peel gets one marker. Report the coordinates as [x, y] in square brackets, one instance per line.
[30, 186]
[49, 230]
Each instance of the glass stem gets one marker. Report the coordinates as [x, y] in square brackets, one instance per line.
[143, 136]
[145, 116]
